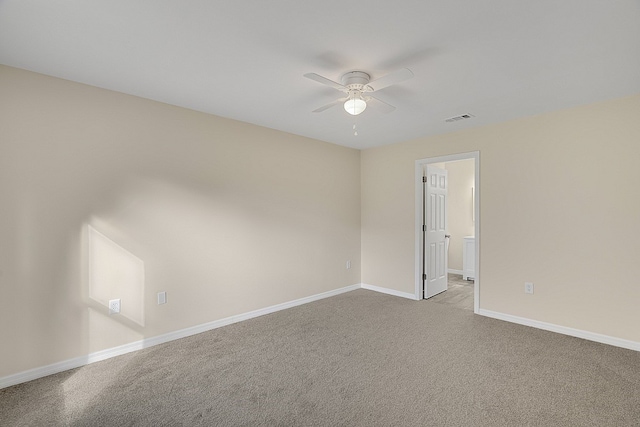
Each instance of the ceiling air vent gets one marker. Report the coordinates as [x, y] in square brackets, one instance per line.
[458, 118]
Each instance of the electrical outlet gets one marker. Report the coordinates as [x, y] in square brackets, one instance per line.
[528, 287]
[114, 306]
[162, 298]
[348, 265]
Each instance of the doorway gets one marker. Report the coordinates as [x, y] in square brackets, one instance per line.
[467, 213]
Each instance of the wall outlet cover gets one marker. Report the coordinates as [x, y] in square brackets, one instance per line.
[114, 306]
[528, 287]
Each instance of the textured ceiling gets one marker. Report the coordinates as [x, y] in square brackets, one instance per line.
[494, 59]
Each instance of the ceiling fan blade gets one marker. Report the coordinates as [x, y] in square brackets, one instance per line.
[390, 79]
[380, 104]
[332, 104]
[326, 81]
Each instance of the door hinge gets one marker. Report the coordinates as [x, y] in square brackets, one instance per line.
[424, 227]
[424, 179]
[424, 277]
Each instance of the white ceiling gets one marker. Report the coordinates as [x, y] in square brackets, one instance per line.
[245, 59]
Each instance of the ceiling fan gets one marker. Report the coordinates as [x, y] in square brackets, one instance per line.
[358, 89]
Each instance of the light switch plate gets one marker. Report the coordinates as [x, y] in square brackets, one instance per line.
[162, 298]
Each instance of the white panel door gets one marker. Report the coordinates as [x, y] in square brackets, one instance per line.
[435, 231]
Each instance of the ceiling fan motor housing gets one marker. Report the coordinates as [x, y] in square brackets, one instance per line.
[355, 80]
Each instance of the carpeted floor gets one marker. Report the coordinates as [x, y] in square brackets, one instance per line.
[357, 359]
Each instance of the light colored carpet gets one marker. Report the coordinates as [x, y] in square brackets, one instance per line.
[357, 359]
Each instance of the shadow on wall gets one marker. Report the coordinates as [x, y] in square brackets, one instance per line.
[204, 251]
[218, 242]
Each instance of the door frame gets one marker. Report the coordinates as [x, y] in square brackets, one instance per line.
[419, 166]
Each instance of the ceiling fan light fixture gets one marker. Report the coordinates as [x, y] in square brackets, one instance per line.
[355, 105]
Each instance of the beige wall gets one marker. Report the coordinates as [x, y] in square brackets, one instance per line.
[549, 213]
[460, 207]
[105, 195]
[229, 217]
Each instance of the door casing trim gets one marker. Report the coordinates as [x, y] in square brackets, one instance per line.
[419, 165]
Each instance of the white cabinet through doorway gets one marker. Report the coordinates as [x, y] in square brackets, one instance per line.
[469, 258]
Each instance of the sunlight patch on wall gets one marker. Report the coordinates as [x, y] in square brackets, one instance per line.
[115, 273]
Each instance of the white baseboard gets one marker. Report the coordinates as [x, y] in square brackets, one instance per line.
[388, 291]
[591, 336]
[453, 271]
[44, 371]
[54, 368]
